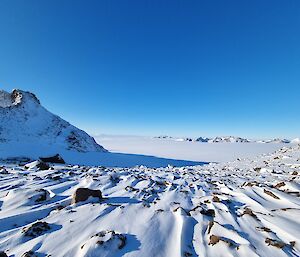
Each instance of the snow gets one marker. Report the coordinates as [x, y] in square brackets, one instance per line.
[226, 139]
[161, 197]
[24, 120]
[246, 207]
[182, 150]
[296, 141]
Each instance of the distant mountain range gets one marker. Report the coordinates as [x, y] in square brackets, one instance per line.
[23, 120]
[229, 139]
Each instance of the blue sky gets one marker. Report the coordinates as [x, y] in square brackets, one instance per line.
[158, 67]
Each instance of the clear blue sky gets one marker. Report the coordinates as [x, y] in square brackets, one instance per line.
[158, 67]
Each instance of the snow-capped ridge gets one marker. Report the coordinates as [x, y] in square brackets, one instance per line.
[230, 139]
[16, 97]
[296, 141]
[23, 121]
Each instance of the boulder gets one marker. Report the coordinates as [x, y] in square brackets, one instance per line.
[37, 165]
[36, 229]
[53, 159]
[82, 194]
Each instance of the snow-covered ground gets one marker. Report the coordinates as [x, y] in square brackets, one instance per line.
[248, 207]
[184, 150]
[159, 197]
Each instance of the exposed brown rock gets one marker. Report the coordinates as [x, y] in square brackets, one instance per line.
[36, 229]
[210, 225]
[214, 240]
[265, 229]
[250, 184]
[82, 194]
[216, 199]
[271, 194]
[248, 211]
[280, 184]
[275, 243]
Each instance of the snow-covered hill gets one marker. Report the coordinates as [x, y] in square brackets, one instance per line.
[229, 139]
[24, 121]
[296, 141]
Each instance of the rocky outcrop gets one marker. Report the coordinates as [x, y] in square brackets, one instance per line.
[82, 194]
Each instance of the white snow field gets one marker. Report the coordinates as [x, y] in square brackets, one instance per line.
[184, 150]
[248, 207]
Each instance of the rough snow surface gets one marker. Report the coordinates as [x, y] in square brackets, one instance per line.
[248, 207]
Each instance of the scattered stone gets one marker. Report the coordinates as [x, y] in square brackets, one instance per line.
[280, 184]
[248, 211]
[250, 184]
[275, 243]
[82, 194]
[216, 199]
[55, 178]
[214, 240]
[4, 172]
[36, 229]
[103, 243]
[43, 195]
[131, 189]
[271, 194]
[59, 207]
[42, 166]
[53, 159]
[265, 229]
[29, 254]
[210, 225]
[39, 165]
[209, 212]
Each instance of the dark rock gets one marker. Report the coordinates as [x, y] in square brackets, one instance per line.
[42, 166]
[42, 195]
[36, 229]
[3, 254]
[275, 243]
[82, 194]
[53, 159]
[209, 212]
[280, 184]
[271, 194]
[29, 254]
